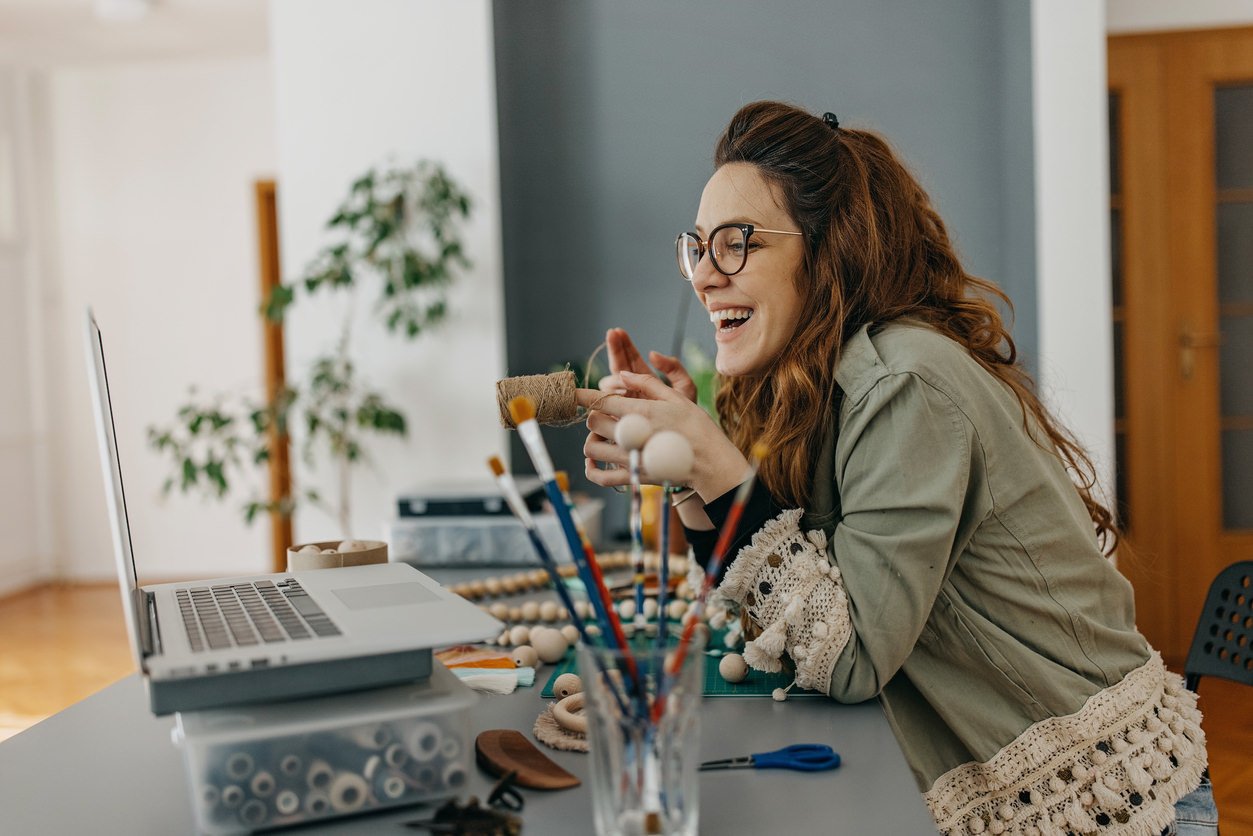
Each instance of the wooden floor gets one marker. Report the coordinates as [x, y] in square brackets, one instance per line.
[61, 643]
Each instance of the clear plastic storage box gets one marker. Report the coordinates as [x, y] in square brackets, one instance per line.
[303, 760]
[484, 541]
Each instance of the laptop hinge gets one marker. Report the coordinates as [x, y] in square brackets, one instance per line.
[149, 630]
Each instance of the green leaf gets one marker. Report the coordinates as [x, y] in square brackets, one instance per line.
[189, 474]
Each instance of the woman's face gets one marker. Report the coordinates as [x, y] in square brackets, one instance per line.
[762, 297]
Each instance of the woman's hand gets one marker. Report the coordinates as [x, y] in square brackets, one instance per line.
[719, 464]
[625, 357]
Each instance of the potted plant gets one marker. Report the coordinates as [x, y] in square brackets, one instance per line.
[398, 231]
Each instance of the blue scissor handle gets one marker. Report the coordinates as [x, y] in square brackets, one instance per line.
[803, 757]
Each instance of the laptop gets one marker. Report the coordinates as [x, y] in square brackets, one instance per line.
[261, 638]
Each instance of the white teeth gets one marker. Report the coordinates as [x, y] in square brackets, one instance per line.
[730, 313]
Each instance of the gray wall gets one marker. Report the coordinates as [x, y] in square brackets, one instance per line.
[609, 112]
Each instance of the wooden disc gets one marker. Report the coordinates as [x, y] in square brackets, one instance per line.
[500, 751]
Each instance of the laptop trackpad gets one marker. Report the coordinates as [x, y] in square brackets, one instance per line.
[384, 595]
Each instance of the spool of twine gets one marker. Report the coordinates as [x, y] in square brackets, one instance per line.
[553, 394]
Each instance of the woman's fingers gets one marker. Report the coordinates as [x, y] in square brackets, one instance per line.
[648, 386]
[603, 450]
[612, 383]
[623, 355]
[605, 478]
[680, 380]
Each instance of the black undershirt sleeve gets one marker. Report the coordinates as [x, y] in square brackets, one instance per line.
[760, 508]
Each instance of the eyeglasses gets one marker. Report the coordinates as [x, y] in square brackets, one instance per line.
[727, 247]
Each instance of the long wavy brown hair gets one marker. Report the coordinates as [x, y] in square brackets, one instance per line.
[875, 251]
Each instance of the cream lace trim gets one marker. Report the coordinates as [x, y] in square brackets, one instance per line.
[1116, 766]
[787, 585]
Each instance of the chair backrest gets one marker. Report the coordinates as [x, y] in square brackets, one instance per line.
[1223, 642]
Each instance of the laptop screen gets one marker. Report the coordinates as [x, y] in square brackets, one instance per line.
[112, 467]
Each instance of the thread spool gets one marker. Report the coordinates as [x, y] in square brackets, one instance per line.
[424, 740]
[319, 775]
[263, 784]
[454, 776]
[317, 804]
[348, 792]
[253, 813]
[395, 755]
[286, 803]
[370, 737]
[553, 394]
[424, 776]
[239, 765]
[232, 796]
[210, 795]
[290, 765]
[450, 749]
[389, 785]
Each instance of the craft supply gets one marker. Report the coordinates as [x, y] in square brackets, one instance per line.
[501, 751]
[253, 813]
[239, 765]
[631, 432]
[721, 546]
[454, 775]
[319, 775]
[553, 396]
[800, 757]
[509, 489]
[317, 803]
[233, 795]
[733, 668]
[286, 803]
[423, 740]
[571, 633]
[550, 645]
[568, 712]
[549, 611]
[667, 456]
[553, 735]
[469, 820]
[520, 634]
[262, 784]
[522, 409]
[525, 656]
[567, 684]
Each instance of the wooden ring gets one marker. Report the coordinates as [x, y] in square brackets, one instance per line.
[563, 713]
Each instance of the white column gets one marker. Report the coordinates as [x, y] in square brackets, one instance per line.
[1072, 223]
[359, 83]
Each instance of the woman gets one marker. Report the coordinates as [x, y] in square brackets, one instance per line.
[916, 535]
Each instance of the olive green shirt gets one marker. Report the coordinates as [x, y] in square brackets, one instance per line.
[979, 599]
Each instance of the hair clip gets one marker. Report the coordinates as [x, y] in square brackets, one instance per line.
[831, 121]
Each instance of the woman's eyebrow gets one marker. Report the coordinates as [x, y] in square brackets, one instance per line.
[738, 220]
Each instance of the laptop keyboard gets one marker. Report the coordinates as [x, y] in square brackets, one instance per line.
[243, 614]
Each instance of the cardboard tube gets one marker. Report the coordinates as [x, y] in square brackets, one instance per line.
[424, 740]
[290, 765]
[317, 803]
[286, 803]
[254, 812]
[372, 737]
[454, 776]
[395, 755]
[263, 784]
[239, 765]
[232, 796]
[320, 775]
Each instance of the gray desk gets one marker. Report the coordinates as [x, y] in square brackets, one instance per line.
[106, 765]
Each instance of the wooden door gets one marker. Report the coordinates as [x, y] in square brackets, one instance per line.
[1181, 114]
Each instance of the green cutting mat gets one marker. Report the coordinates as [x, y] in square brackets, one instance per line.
[757, 684]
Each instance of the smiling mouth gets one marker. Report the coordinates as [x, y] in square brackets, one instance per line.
[728, 319]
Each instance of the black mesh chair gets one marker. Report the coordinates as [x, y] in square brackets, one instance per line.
[1223, 642]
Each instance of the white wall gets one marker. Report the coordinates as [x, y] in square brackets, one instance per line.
[152, 168]
[25, 498]
[1072, 223]
[358, 82]
[1148, 15]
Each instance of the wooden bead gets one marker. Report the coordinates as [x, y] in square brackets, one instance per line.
[549, 610]
[520, 634]
[567, 684]
[525, 656]
[571, 633]
[530, 611]
[500, 610]
[733, 668]
[515, 613]
[492, 587]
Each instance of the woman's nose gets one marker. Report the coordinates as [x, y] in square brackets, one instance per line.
[706, 277]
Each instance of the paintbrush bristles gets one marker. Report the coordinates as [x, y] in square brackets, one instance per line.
[521, 409]
[563, 480]
[759, 450]
[497, 466]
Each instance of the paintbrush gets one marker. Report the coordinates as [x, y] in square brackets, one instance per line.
[522, 411]
[725, 536]
[513, 498]
[631, 433]
[667, 456]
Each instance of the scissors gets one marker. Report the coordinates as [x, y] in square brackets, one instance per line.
[802, 757]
